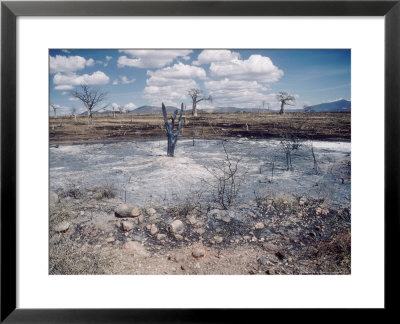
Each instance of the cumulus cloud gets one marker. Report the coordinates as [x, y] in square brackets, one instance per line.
[256, 67]
[69, 80]
[213, 56]
[130, 106]
[123, 80]
[170, 84]
[150, 58]
[108, 58]
[179, 71]
[60, 63]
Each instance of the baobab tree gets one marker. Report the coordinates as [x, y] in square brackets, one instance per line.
[172, 136]
[197, 95]
[285, 99]
[90, 97]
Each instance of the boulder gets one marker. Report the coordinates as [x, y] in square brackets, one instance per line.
[153, 229]
[127, 226]
[176, 227]
[125, 210]
[62, 227]
[198, 253]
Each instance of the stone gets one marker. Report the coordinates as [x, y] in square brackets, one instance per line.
[135, 212]
[125, 210]
[151, 212]
[198, 253]
[110, 239]
[226, 219]
[270, 247]
[153, 229]
[200, 231]
[176, 227]
[62, 227]
[262, 261]
[161, 237]
[179, 237]
[259, 225]
[127, 226]
[137, 249]
[191, 220]
[218, 239]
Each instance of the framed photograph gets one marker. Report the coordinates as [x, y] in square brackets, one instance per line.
[197, 156]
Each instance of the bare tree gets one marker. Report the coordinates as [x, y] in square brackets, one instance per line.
[121, 109]
[285, 99]
[90, 97]
[74, 112]
[289, 143]
[197, 95]
[172, 136]
[54, 107]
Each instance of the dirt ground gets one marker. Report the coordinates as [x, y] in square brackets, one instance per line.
[296, 222]
[120, 206]
[316, 126]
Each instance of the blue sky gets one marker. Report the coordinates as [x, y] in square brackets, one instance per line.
[234, 78]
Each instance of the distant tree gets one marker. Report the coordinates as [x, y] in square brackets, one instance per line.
[197, 95]
[172, 136]
[54, 107]
[90, 97]
[74, 112]
[285, 99]
[121, 109]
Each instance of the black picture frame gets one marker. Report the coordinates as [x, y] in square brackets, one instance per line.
[10, 10]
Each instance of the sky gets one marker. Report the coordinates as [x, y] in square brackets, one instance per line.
[243, 78]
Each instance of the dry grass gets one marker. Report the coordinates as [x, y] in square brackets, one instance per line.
[328, 126]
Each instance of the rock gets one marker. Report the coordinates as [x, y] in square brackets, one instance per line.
[136, 249]
[273, 260]
[259, 225]
[82, 213]
[161, 237]
[179, 237]
[53, 198]
[198, 253]
[176, 257]
[318, 211]
[302, 201]
[151, 212]
[127, 226]
[226, 219]
[191, 220]
[62, 227]
[218, 239]
[262, 261]
[153, 229]
[176, 227]
[127, 211]
[246, 238]
[270, 247]
[200, 231]
[110, 239]
[135, 212]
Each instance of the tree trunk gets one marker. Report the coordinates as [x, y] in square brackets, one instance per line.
[172, 136]
[90, 117]
[194, 109]
[171, 145]
[282, 111]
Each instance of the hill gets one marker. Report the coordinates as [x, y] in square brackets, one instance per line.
[341, 105]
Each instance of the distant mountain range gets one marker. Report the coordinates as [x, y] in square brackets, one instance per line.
[340, 105]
